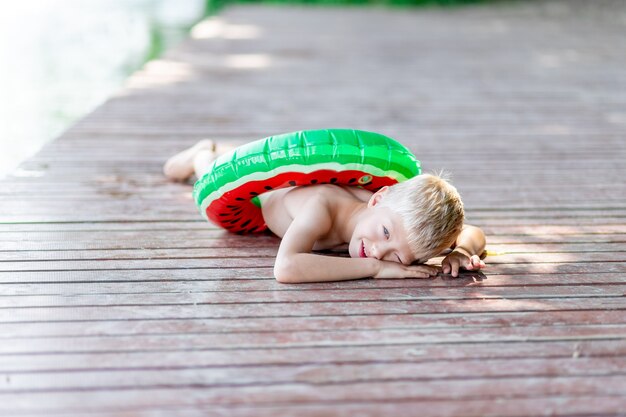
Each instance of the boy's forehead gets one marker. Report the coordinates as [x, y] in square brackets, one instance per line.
[390, 213]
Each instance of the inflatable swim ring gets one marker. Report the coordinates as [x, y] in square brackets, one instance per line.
[227, 194]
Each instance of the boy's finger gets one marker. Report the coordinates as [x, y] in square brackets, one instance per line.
[427, 270]
[432, 270]
[450, 267]
[455, 268]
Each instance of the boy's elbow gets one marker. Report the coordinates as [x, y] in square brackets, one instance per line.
[282, 276]
[284, 273]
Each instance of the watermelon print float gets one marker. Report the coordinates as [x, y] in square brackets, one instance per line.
[227, 194]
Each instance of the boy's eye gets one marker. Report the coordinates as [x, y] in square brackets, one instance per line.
[386, 232]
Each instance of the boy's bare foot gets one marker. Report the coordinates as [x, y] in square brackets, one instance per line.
[203, 161]
[181, 166]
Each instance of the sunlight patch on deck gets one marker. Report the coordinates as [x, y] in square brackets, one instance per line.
[220, 28]
[248, 61]
[161, 72]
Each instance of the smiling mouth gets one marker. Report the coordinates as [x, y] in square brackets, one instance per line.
[362, 251]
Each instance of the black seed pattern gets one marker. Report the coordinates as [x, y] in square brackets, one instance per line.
[313, 181]
[240, 199]
[244, 224]
[267, 187]
[252, 193]
[235, 221]
[252, 229]
[333, 180]
[238, 213]
[224, 214]
[230, 206]
[292, 183]
[351, 180]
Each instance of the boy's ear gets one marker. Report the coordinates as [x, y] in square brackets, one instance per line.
[377, 196]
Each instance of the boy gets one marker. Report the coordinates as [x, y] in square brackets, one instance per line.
[386, 231]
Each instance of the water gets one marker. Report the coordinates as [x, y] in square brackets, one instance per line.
[61, 58]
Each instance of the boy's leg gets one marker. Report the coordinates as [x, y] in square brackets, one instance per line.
[203, 160]
[182, 165]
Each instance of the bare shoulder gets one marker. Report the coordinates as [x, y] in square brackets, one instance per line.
[360, 193]
[329, 195]
[284, 205]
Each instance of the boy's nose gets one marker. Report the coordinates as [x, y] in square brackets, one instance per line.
[374, 252]
[377, 252]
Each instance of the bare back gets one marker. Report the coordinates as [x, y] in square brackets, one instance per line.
[280, 207]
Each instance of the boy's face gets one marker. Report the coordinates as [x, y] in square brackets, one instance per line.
[380, 234]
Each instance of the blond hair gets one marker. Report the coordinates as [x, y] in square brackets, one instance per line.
[432, 212]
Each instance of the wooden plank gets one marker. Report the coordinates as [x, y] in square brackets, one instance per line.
[306, 309]
[164, 239]
[292, 339]
[262, 278]
[326, 354]
[308, 401]
[312, 373]
[201, 226]
[244, 280]
[514, 266]
[494, 286]
[189, 227]
[85, 328]
[140, 264]
[374, 294]
[9, 258]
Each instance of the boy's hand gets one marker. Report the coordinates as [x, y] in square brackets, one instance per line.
[457, 260]
[390, 270]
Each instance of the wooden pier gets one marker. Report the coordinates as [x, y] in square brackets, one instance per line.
[116, 299]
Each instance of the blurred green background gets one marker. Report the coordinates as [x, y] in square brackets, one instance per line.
[216, 4]
[62, 58]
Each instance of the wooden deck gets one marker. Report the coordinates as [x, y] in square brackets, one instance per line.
[116, 299]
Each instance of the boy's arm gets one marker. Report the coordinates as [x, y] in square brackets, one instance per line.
[295, 262]
[469, 245]
[471, 240]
